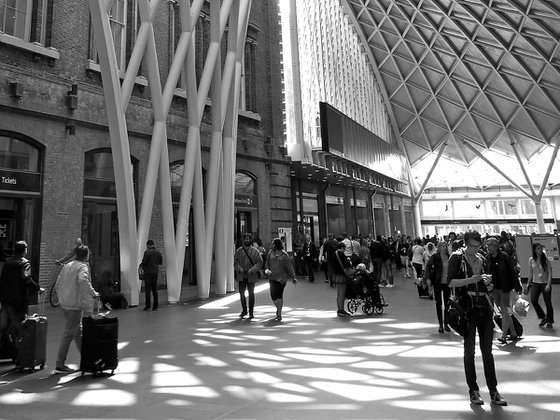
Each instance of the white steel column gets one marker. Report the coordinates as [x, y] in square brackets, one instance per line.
[216, 218]
[120, 151]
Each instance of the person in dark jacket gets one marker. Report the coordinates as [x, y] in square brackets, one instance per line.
[329, 252]
[436, 273]
[15, 282]
[504, 279]
[342, 261]
[309, 252]
[466, 272]
[151, 261]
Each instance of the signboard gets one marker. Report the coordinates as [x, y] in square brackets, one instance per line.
[285, 234]
[20, 181]
[524, 244]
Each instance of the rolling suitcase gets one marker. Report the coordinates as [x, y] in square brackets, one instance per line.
[31, 342]
[516, 324]
[423, 290]
[100, 338]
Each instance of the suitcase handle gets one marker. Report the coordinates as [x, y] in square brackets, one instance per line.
[98, 300]
[42, 298]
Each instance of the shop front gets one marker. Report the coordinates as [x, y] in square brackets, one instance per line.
[21, 165]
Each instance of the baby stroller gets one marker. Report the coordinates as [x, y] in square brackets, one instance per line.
[363, 291]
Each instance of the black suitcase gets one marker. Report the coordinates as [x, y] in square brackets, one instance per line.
[100, 338]
[31, 342]
[516, 324]
[423, 290]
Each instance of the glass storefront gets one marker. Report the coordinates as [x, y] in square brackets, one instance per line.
[21, 164]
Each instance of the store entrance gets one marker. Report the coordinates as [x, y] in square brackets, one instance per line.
[16, 223]
[100, 232]
[243, 224]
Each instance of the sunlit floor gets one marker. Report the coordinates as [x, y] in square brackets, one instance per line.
[200, 361]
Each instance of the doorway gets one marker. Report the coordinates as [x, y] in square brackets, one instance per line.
[100, 232]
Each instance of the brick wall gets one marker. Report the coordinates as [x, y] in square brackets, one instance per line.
[41, 114]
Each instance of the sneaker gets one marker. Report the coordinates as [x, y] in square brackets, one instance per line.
[548, 325]
[497, 399]
[440, 330]
[64, 369]
[543, 321]
[342, 313]
[242, 314]
[476, 398]
[391, 285]
[251, 316]
[502, 340]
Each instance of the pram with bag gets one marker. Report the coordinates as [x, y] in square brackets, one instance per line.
[363, 291]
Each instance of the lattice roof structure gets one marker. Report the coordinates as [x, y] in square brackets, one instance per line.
[473, 75]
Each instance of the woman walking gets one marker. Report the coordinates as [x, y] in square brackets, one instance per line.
[279, 269]
[539, 282]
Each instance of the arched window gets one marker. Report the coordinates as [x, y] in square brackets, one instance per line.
[176, 172]
[245, 190]
[19, 155]
[99, 173]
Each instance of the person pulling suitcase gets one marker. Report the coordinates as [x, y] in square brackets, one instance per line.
[15, 282]
[75, 292]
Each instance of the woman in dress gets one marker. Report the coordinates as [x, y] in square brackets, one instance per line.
[279, 270]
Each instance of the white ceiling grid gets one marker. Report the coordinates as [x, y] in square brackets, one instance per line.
[486, 72]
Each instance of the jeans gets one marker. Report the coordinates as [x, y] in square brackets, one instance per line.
[250, 287]
[441, 294]
[150, 289]
[536, 290]
[72, 331]
[481, 319]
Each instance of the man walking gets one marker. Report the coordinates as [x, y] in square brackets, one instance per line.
[75, 292]
[247, 263]
[150, 261]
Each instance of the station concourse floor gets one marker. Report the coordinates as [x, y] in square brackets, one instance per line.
[197, 360]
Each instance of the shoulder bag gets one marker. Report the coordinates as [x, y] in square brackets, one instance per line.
[259, 272]
[455, 308]
[348, 271]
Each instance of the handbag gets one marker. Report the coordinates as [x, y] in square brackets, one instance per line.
[348, 271]
[141, 274]
[456, 315]
[521, 305]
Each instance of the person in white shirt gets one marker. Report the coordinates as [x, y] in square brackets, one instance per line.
[417, 259]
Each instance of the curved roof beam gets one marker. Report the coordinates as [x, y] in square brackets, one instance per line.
[429, 44]
[491, 65]
[508, 48]
[390, 52]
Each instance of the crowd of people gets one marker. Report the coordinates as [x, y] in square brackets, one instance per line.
[482, 272]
